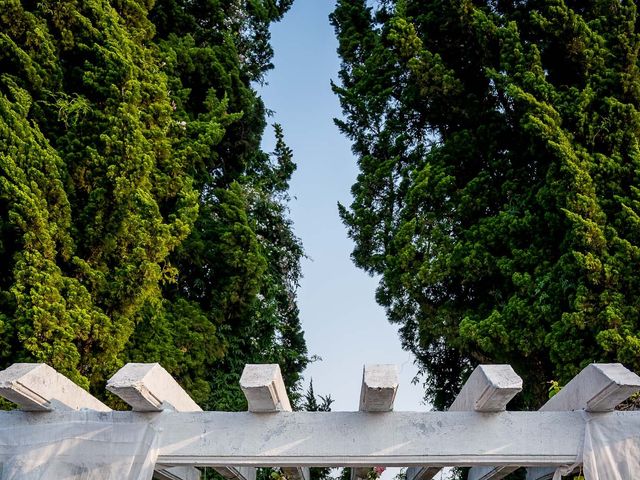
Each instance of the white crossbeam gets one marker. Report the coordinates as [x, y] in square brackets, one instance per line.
[488, 389]
[148, 387]
[353, 439]
[264, 389]
[599, 387]
[379, 388]
[377, 394]
[38, 387]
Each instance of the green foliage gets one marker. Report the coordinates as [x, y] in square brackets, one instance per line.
[498, 187]
[139, 218]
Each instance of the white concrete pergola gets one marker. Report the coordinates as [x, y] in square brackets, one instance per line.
[477, 431]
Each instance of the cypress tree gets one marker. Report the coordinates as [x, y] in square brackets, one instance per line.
[112, 199]
[498, 189]
[139, 218]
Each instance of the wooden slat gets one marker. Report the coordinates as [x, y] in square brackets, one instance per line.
[38, 387]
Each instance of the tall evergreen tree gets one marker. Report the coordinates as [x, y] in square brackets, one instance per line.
[499, 172]
[95, 207]
[139, 218]
[240, 266]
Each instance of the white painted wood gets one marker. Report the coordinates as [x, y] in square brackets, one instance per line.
[148, 387]
[377, 394]
[264, 388]
[38, 387]
[599, 387]
[354, 439]
[379, 387]
[488, 389]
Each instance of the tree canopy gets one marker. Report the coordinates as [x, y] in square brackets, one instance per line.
[498, 194]
[139, 218]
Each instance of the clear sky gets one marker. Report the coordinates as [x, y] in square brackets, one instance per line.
[342, 322]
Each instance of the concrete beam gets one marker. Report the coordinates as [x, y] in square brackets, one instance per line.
[264, 388]
[377, 394]
[353, 439]
[148, 387]
[599, 387]
[37, 387]
[488, 389]
[379, 388]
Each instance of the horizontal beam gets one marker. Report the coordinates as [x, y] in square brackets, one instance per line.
[354, 439]
[37, 387]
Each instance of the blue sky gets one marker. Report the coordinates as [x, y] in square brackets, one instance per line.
[342, 322]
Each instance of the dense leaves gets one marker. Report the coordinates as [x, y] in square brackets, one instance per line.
[499, 171]
[139, 218]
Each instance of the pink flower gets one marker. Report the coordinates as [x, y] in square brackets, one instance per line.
[379, 470]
